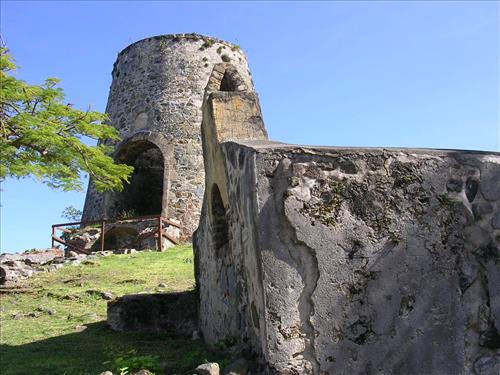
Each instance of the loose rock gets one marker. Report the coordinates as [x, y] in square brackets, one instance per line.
[208, 369]
[80, 328]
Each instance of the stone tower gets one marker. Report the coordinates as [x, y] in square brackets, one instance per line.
[155, 102]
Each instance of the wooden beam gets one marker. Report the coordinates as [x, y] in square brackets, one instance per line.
[103, 228]
[62, 242]
[171, 239]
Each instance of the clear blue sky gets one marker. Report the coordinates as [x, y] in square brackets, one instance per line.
[412, 74]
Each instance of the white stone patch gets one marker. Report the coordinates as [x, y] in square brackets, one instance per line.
[303, 190]
[141, 122]
[490, 159]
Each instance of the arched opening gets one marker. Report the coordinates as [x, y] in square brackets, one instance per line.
[225, 77]
[228, 83]
[144, 194]
[120, 237]
[220, 230]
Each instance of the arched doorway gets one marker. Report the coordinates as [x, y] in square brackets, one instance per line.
[144, 195]
[228, 82]
[225, 77]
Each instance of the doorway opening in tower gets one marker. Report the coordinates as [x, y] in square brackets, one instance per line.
[144, 194]
[228, 82]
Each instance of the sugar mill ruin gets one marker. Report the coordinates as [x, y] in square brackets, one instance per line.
[155, 102]
[316, 260]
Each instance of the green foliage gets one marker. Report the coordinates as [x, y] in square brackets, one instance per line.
[394, 237]
[207, 44]
[72, 213]
[127, 214]
[131, 362]
[337, 187]
[42, 136]
[163, 44]
[34, 341]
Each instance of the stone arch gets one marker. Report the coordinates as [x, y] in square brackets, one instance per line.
[147, 193]
[225, 77]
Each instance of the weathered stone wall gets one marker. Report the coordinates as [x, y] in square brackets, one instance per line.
[223, 265]
[354, 261]
[155, 101]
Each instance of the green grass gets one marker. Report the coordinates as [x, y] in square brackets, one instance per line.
[39, 333]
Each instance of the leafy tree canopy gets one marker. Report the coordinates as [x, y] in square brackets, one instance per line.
[42, 136]
[72, 213]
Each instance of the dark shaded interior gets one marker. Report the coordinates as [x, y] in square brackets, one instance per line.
[219, 220]
[228, 82]
[144, 194]
[120, 237]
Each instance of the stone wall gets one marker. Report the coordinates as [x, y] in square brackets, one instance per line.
[222, 267]
[351, 261]
[155, 102]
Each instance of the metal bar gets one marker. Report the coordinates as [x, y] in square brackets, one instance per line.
[103, 226]
[160, 238]
[135, 218]
[63, 230]
[143, 217]
[160, 235]
[76, 223]
[117, 220]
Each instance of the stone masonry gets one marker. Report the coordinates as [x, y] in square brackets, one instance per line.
[155, 102]
[325, 260]
[314, 260]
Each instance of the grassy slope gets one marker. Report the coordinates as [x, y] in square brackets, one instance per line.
[33, 341]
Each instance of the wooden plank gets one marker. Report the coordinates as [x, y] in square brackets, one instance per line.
[160, 238]
[103, 230]
[171, 239]
[61, 241]
[53, 234]
[174, 224]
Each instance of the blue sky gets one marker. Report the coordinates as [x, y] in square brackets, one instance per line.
[408, 74]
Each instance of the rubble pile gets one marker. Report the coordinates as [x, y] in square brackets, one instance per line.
[17, 267]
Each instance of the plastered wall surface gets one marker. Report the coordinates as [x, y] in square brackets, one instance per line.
[357, 261]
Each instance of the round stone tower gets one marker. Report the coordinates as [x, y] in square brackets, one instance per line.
[155, 102]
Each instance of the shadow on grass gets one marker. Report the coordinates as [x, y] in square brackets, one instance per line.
[98, 348]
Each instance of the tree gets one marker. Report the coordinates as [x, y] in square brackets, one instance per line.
[72, 213]
[42, 136]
